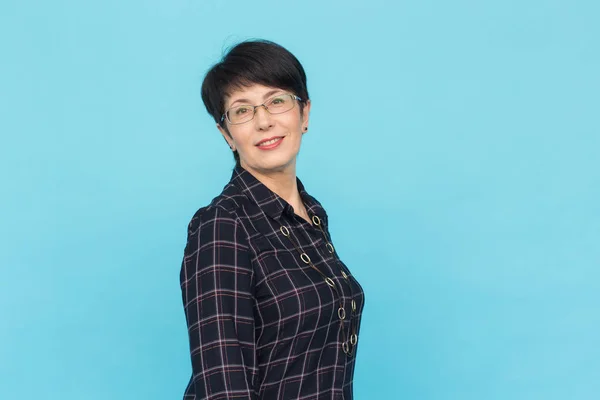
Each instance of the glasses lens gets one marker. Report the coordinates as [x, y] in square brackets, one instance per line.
[280, 104]
[239, 114]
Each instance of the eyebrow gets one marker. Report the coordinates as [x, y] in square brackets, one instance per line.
[266, 96]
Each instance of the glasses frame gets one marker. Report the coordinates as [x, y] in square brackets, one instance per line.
[225, 115]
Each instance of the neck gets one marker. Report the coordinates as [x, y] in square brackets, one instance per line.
[283, 182]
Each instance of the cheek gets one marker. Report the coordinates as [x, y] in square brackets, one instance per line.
[241, 137]
[294, 123]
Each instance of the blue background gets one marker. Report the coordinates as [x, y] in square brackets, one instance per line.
[454, 144]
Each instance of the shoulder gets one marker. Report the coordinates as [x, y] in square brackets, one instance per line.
[223, 209]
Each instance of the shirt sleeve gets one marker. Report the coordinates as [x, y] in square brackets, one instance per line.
[217, 289]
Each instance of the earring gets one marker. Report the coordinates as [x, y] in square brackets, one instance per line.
[305, 128]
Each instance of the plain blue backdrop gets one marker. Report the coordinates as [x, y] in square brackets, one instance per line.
[454, 145]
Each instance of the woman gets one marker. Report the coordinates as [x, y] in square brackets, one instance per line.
[272, 312]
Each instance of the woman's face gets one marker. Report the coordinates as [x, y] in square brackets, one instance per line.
[286, 127]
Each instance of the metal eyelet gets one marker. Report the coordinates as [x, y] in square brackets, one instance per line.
[344, 275]
[305, 258]
[346, 347]
[330, 282]
[353, 305]
[285, 231]
[342, 313]
[330, 248]
[316, 220]
[354, 339]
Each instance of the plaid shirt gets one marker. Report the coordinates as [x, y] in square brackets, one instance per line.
[263, 324]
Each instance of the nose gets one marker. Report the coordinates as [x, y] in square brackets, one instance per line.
[262, 118]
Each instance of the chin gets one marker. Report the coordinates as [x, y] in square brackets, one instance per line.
[275, 164]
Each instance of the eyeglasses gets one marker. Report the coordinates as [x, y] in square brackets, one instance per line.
[275, 105]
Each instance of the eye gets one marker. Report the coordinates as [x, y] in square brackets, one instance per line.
[278, 100]
[242, 110]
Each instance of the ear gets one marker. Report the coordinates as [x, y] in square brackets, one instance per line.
[226, 136]
[306, 113]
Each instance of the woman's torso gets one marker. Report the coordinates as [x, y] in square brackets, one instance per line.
[297, 326]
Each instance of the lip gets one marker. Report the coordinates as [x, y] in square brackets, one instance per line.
[271, 146]
[267, 139]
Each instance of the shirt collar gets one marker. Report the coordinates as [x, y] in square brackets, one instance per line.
[270, 202]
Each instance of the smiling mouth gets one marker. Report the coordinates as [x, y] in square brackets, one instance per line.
[269, 142]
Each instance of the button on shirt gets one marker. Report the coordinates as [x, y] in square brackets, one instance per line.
[262, 323]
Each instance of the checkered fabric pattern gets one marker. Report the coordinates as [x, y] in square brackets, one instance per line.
[263, 324]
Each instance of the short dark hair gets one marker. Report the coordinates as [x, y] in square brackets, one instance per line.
[247, 63]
